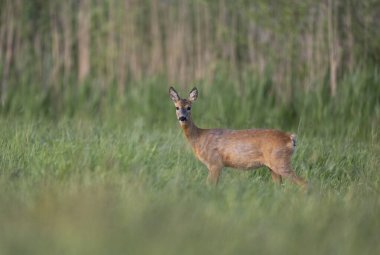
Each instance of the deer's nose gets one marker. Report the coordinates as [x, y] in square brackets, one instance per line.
[182, 118]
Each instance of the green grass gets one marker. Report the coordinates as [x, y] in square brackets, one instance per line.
[120, 178]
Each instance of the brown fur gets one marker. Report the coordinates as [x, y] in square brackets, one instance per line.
[241, 149]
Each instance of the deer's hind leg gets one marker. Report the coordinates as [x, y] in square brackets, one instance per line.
[291, 175]
[276, 177]
[282, 167]
[288, 173]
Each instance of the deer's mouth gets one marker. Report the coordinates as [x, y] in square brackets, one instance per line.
[182, 118]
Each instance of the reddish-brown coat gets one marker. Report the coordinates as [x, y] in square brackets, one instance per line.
[241, 149]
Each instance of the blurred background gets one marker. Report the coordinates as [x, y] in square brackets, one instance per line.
[62, 57]
[92, 160]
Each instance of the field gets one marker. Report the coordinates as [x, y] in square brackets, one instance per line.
[120, 178]
[92, 158]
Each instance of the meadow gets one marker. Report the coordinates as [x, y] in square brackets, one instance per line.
[92, 158]
[115, 175]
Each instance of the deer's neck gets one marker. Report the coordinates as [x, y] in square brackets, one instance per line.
[191, 131]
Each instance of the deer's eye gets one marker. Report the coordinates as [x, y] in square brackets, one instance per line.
[189, 108]
[177, 108]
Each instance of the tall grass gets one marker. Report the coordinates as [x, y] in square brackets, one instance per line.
[95, 174]
[92, 160]
[251, 102]
[90, 187]
[54, 45]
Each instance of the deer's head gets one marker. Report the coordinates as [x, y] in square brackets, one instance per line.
[183, 106]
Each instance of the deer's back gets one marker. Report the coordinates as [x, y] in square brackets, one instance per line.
[244, 148]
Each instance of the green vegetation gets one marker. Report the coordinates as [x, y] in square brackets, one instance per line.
[303, 45]
[124, 180]
[93, 160]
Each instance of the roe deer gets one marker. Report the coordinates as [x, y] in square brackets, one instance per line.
[242, 149]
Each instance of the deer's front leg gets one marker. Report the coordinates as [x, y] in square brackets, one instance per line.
[213, 174]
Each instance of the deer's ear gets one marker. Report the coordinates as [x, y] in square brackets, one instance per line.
[173, 95]
[193, 94]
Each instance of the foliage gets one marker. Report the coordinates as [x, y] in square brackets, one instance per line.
[115, 175]
[56, 45]
[92, 159]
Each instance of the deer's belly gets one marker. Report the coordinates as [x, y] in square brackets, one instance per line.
[242, 164]
[244, 156]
